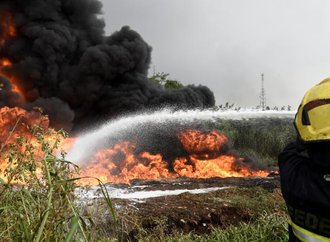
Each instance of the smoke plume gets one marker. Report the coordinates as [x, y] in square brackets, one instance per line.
[64, 63]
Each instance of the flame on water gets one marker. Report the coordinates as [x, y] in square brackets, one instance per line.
[205, 160]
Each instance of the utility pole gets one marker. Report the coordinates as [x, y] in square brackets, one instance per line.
[262, 93]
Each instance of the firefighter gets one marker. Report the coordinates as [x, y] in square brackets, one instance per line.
[305, 168]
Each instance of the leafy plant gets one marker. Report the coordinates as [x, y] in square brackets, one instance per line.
[37, 201]
[162, 79]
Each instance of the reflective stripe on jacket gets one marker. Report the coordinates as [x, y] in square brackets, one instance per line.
[305, 235]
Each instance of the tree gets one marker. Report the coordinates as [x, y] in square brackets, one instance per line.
[173, 84]
[162, 79]
[159, 78]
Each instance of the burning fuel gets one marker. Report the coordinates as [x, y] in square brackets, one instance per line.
[159, 145]
[204, 160]
[133, 148]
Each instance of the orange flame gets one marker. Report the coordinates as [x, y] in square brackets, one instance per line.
[7, 27]
[5, 63]
[8, 31]
[202, 144]
[15, 122]
[121, 164]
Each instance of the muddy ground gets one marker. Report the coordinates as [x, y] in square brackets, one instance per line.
[233, 201]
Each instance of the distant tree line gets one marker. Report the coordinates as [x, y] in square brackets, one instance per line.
[231, 106]
[163, 79]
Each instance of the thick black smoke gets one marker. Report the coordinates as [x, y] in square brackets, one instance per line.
[65, 64]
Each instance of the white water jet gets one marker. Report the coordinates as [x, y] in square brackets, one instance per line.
[130, 194]
[86, 143]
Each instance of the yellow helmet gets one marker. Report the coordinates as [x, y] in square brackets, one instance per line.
[313, 117]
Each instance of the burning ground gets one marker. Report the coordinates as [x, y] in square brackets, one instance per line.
[189, 153]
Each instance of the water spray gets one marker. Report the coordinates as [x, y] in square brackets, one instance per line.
[86, 143]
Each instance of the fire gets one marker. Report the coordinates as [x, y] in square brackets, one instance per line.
[7, 26]
[222, 166]
[10, 117]
[8, 31]
[206, 152]
[206, 155]
[16, 122]
[203, 144]
[205, 160]
[4, 64]
[120, 164]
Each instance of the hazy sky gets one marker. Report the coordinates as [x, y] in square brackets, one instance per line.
[227, 44]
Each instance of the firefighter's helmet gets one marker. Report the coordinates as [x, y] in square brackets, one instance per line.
[313, 117]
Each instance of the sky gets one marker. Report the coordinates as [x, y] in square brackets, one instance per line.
[227, 44]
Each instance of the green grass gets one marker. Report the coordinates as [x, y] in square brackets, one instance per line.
[268, 227]
[264, 212]
[37, 202]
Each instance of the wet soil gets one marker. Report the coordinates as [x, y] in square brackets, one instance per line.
[187, 212]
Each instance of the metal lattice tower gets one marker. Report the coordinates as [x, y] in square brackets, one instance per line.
[262, 93]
